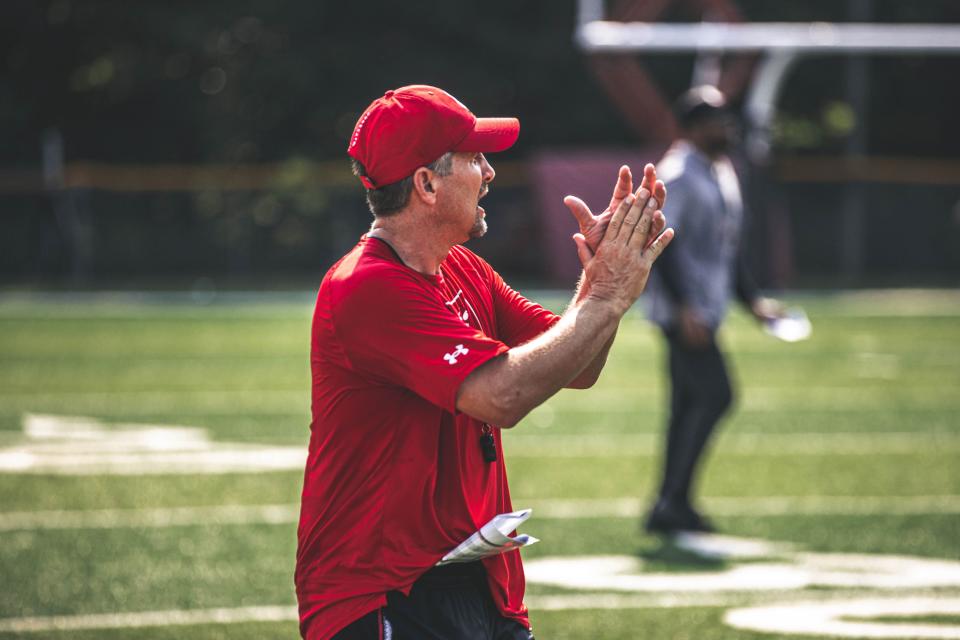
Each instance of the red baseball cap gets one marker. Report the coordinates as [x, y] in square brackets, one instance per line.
[412, 126]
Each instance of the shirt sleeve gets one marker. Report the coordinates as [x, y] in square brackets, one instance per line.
[395, 328]
[518, 319]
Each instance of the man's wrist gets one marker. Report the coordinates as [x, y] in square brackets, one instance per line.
[583, 288]
[611, 308]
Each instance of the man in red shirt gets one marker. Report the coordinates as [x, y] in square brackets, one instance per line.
[420, 354]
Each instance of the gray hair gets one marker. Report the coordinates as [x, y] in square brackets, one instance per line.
[389, 199]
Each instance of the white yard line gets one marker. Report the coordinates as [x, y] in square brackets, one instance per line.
[852, 397]
[631, 601]
[612, 445]
[851, 618]
[559, 509]
[563, 602]
[288, 613]
[836, 505]
[150, 518]
[149, 619]
[754, 507]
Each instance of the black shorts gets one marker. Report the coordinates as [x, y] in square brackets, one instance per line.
[445, 603]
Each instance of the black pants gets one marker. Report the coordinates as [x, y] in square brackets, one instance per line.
[700, 394]
[446, 603]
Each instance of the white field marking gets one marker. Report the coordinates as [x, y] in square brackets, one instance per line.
[609, 601]
[570, 509]
[564, 509]
[758, 398]
[159, 401]
[66, 445]
[141, 619]
[835, 505]
[614, 445]
[833, 618]
[565, 602]
[617, 400]
[720, 547]
[150, 518]
[789, 572]
[280, 613]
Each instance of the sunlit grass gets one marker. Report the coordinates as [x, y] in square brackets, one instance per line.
[873, 372]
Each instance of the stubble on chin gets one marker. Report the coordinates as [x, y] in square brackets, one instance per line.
[479, 227]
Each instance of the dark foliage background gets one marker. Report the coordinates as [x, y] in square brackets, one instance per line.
[282, 81]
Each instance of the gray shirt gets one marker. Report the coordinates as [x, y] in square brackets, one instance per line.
[705, 208]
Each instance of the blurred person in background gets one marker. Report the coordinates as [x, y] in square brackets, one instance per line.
[421, 353]
[689, 293]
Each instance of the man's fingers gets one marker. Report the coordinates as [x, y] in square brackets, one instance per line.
[583, 249]
[619, 216]
[622, 188]
[649, 182]
[642, 229]
[649, 177]
[634, 214]
[658, 245]
[660, 193]
[656, 227]
[579, 209]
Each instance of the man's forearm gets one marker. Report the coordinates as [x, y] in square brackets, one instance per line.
[505, 389]
[586, 378]
[591, 373]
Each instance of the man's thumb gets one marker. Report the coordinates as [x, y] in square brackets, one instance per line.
[579, 209]
[583, 250]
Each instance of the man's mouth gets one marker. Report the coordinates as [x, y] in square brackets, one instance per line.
[481, 212]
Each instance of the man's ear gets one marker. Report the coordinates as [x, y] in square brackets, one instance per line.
[424, 185]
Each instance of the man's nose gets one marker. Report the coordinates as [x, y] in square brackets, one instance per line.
[487, 170]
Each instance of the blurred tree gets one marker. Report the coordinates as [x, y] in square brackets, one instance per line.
[263, 80]
[283, 81]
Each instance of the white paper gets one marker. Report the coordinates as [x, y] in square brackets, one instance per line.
[492, 538]
[794, 326]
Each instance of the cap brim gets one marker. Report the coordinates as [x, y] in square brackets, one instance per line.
[490, 135]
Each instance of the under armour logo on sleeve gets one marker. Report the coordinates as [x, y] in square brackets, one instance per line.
[458, 351]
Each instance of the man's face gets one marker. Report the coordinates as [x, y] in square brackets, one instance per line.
[719, 133]
[462, 189]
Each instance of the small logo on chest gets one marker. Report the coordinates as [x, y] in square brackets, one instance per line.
[463, 315]
[458, 351]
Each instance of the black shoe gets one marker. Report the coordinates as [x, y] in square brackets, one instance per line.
[669, 518]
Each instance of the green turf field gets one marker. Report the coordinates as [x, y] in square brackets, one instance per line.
[847, 443]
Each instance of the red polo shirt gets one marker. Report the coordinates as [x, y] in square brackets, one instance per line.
[395, 476]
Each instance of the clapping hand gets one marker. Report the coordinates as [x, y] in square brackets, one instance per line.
[616, 273]
[592, 227]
